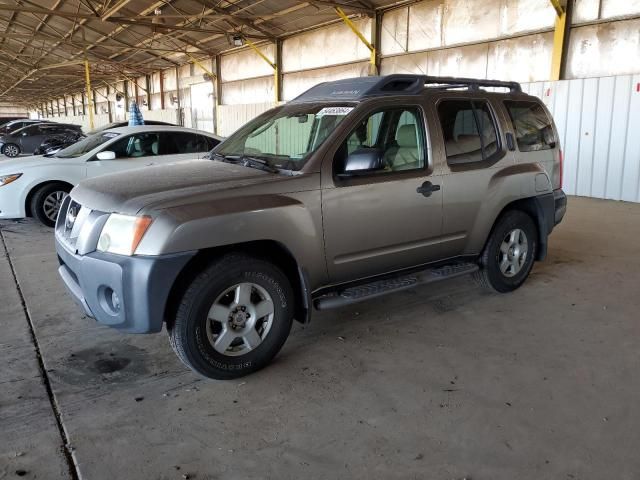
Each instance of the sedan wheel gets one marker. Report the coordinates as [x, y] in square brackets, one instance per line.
[11, 150]
[46, 201]
[52, 203]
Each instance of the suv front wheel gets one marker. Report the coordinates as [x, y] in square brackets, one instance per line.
[233, 318]
[509, 253]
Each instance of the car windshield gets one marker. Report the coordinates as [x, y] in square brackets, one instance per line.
[285, 137]
[86, 145]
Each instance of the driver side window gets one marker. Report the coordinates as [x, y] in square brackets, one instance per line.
[138, 145]
[393, 139]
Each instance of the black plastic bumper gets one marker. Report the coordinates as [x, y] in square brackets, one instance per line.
[560, 201]
[125, 293]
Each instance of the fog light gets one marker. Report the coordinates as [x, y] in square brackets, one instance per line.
[109, 300]
[115, 301]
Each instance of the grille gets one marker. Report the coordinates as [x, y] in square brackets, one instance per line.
[79, 227]
[69, 221]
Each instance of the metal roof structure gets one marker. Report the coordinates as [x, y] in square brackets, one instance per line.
[44, 43]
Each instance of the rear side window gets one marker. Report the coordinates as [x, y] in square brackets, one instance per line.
[183, 142]
[468, 129]
[532, 126]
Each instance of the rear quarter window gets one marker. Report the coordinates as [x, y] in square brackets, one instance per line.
[532, 126]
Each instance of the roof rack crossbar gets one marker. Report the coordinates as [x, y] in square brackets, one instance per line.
[472, 83]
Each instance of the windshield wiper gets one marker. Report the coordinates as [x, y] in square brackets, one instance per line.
[247, 161]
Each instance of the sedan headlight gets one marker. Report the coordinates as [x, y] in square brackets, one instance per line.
[122, 234]
[7, 179]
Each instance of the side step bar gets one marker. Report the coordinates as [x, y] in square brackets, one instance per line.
[391, 285]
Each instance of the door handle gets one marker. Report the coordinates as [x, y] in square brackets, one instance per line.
[427, 188]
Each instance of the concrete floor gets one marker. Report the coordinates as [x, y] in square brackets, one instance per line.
[441, 382]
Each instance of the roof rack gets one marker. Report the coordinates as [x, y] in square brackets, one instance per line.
[397, 84]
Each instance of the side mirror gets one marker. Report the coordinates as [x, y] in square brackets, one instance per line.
[106, 155]
[363, 161]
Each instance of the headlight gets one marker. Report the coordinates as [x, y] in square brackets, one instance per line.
[7, 179]
[122, 233]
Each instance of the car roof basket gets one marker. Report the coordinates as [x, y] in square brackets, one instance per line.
[397, 84]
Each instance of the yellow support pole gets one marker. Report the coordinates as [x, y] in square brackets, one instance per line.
[197, 62]
[363, 39]
[558, 40]
[271, 64]
[89, 96]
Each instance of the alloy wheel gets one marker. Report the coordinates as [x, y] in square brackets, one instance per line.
[240, 319]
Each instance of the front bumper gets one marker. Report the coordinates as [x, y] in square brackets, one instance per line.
[560, 203]
[126, 293]
[12, 200]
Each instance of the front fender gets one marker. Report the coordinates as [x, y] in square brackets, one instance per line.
[293, 220]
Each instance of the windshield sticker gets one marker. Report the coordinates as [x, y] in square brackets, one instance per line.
[334, 111]
[110, 135]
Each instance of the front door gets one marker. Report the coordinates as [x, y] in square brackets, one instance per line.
[388, 217]
[134, 151]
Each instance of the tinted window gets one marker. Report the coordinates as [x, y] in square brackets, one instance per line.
[532, 126]
[183, 142]
[138, 145]
[396, 133]
[211, 142]
[468, 129]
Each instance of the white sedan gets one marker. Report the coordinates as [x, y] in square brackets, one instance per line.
[35, 186]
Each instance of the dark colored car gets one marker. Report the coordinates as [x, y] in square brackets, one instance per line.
[27, 139]
[57, 142]
[126, 124]
[14, 125]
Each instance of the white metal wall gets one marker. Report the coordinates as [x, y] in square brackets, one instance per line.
[599, 125]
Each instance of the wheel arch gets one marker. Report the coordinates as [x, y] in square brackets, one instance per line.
[35, 188]
[536, 207]
[270, 250]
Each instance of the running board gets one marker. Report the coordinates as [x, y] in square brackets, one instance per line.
[392, 285]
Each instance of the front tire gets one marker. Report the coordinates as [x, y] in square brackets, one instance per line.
[11, 150]
[509, 254]
[46, 201]
[233, 318]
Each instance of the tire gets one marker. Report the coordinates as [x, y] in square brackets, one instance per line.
[11, 150]
[210, 333]
[46, 201]
[509, 254]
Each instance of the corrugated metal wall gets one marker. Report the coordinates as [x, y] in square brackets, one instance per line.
[598, 120]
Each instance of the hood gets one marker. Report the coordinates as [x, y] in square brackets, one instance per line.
[17, 165]
[163, 186]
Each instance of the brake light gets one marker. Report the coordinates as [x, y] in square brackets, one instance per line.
[561, 159]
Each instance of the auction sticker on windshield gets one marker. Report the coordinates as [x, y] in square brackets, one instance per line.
[334, 111]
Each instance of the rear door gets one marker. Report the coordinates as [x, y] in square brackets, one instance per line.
[474, 150]
[176, 146]
[31, 138]
[379, 222]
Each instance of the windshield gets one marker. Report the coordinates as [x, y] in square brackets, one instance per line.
[86, 145]
[286, 137]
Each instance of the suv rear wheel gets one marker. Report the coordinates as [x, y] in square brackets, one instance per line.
[233, 318]
[509, 254]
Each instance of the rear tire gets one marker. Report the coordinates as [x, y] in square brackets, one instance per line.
[11, 150]
[46, 201]
[233, 318]
[509, 254]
